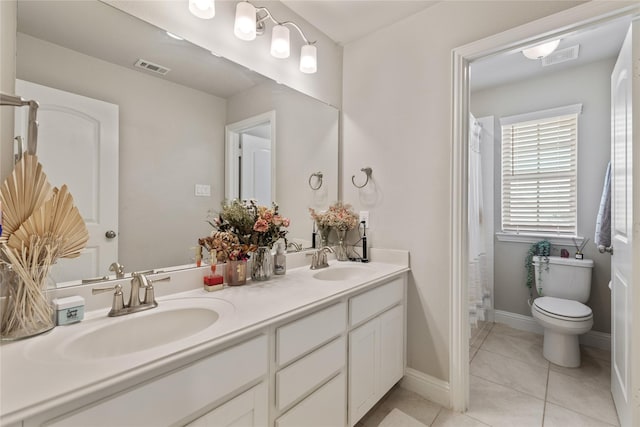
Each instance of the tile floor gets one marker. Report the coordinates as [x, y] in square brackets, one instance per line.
[512, 384]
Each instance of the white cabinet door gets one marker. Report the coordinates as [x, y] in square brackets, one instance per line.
[391, 347]
[250, 409]
[363, 372]
[376, 360]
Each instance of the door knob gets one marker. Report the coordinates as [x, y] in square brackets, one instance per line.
[110, 234]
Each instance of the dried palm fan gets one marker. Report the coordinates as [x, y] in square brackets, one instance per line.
[22, 193]
[57, 219]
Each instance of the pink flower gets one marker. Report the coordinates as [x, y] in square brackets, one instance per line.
[267, 215]
[261, 225]
[277, 220]
[285, 222]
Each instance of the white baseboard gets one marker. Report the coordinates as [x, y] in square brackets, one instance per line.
[527, 323]
[431, 388]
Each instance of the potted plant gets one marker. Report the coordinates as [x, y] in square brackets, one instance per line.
[541, 249]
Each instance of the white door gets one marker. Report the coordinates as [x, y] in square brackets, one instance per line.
[624, 304]
[256, 169]
[78, 146]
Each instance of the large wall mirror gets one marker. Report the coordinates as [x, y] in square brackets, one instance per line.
[172, 102]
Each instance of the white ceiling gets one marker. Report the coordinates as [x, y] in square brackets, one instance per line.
[596, 43]
[347, 20]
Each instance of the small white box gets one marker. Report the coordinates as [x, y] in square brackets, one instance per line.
[69, 309]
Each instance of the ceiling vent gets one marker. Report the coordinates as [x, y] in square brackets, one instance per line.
[150, 66]
[562, 55]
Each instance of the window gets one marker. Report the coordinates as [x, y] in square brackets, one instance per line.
[539, 172]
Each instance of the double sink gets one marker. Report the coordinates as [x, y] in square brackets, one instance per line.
[175, 320]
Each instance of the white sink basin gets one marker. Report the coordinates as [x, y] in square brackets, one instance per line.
[102, 337]
[335, 273]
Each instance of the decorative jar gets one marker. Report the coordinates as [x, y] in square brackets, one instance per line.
[236, 272]
[262, 264]
[341, 249]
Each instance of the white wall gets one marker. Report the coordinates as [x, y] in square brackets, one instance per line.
[397, 103]
[306, 141]
[171, 138]
[217, 35]
[8, 23]
[590, 86]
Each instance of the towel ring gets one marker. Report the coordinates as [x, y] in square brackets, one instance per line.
[318, 176]
[368, 172]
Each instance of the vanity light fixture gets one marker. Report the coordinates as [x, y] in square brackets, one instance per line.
[205, 9]
[251, 22]
[541, 50]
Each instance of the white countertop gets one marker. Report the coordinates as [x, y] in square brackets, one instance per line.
[36, 376]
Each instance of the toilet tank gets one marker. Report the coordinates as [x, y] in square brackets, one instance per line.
[564, 278]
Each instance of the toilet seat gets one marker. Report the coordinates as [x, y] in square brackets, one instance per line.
[562, 309]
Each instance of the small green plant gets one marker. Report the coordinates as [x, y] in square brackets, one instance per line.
[542, 249]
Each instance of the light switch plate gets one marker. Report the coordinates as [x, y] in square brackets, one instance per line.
[203, 190]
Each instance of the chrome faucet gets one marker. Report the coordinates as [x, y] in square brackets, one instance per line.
[139, 280]
[319, 258]
[117, 268]
[296, 246]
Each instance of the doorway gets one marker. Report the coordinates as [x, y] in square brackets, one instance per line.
[558, 25]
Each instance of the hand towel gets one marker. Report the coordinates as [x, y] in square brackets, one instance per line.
[603, 222]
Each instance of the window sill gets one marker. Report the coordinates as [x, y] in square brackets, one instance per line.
[533, 238]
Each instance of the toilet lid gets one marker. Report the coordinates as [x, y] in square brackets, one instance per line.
[562, 307]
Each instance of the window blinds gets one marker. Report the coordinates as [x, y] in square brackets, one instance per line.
[539, 176]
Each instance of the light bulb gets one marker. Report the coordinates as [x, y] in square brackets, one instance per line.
[542, 50]
[205, 9]
[308, 59]
[245, 24]
[280, 42]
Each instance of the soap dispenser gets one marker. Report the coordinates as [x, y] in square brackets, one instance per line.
[280, 259]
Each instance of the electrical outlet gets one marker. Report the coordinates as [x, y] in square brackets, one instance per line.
[364, 216]
[203, 190]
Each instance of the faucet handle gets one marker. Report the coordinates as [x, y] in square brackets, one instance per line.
[118, 297]
[149, 293]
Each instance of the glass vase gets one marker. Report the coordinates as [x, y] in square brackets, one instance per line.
[341, 249]
[24, 305]
[236, 272]
[262, 264]
[324, 236]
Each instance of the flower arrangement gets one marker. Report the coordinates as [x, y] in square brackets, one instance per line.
[338, 216]
[242, 227]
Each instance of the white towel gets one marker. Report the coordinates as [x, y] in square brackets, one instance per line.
[603, 222]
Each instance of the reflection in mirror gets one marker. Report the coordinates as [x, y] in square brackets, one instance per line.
[250, 164]
[171, 127]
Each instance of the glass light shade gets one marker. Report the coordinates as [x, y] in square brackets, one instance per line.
[204, 9]
[308, 59]
[280, 42]
[245, 25]
[542, 50]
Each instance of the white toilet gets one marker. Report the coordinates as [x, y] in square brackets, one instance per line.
[564, 285]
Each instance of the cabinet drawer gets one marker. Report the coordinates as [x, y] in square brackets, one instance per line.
[175, 396]
[303, 335]
[305, 374]
[367, 305]
[325, 407]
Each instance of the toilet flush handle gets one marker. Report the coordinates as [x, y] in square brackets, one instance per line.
[602, 249]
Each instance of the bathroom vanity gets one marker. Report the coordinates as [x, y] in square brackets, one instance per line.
[312, 348]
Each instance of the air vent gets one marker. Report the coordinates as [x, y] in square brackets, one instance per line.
[150, 66]
[562, 55]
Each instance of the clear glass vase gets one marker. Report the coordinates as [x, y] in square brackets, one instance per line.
[25, 308]
[324, 236]
[262, 264]
[341, 249]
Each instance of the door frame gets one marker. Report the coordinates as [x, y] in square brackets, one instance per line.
[577, 18]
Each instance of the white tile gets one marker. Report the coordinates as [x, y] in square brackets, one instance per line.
[595, 352]
[498, 405]
[585, 397]
[512, 373]
[597, 371]
[523, 346]
[397, 418]
[557, 416]
[472, 352]
[406, 401]
[448, 418]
